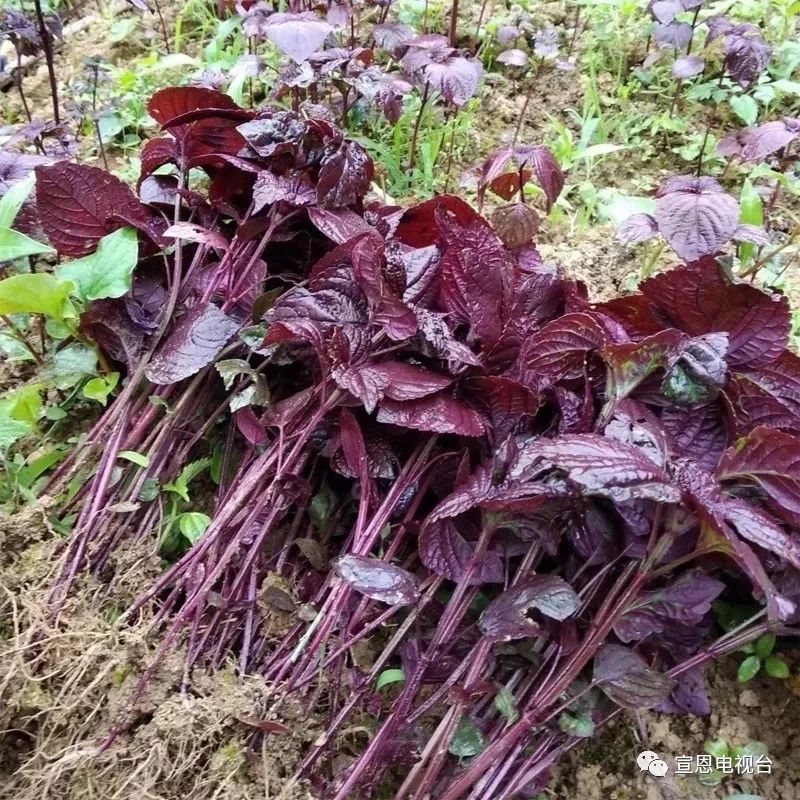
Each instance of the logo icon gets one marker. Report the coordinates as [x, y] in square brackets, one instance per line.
[649, 761]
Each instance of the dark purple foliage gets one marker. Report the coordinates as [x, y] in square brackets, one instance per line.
[491, 479]
[696, 217]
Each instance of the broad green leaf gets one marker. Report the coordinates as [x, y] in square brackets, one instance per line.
[748, 669]
[101, 387]
[72, 364]
[40, 465]
[389, 676]
[12, 429]
[14, 244]
[717, 748]
[36, 293]
[467, 740]
[11, 202]
[106, 272]
[193, 525]
[745, 107]
[150, 490]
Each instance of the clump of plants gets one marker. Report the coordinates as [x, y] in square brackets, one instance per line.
[523, 502]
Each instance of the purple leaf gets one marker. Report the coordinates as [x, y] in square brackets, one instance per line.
[696, 373]
[297, 35]
[435, 413]
[377, 580]
[339, 225]
[695, 216]
[637, 228]
[674, 34]
[249, 426]
[687, 67]
[296, 190]
[700, 299]
[513, 58]
[79, 205]
[700, 434]
[195, 341]
[345, 176]
[516, 224]
[15, 167]
[446, 552]
[746, 55]
[559, 350]
[770, 459]
[665, 11]
[769, 138]
[688, 696]
[455, 78]
[686, 600]
[625, 677]
[752, 234]
[389, 35]
[507, 616]
[597, 465]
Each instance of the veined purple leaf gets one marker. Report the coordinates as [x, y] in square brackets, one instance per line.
[455, 78]
[15, 167]
[192, 232]
[696, 216]
[700, 299]
[195, 341]
[631, 362]
[515, 224]
[296, 190]
[700, 434]
[625, 677]
[753, 234]
[377, 579]
[697, 371]
[687, 67]
[665, 11]
[559, 350]
[673, 34]
[435, 413]
[688, 696]
[746, 55]
[598, 465]
[79, 205]
[769, 138]
[345, 175]
[389, 35]
[770, 459]
[685, 600]
[759, 528]
[446, 552]
[637, 228]
[297, 35]
[507, 616]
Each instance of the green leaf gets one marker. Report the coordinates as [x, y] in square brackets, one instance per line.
[135, 458]
[11, 202]
[37, 293]
[106, 272]
[752, 213]
[389, 676]
[180, 485]
[12, 429]
[580, 725]
[193, 525]
[467, 739]
[776, 667]
[745, 107]
[55, 413]
[505, 703]
[72, 364]
[748, 669]
[24, 404]
[14, 244]
[101, 387]
[764, 645]
[40, 465]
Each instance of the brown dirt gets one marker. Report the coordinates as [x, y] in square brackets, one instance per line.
[764, 711]
[66, 682]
